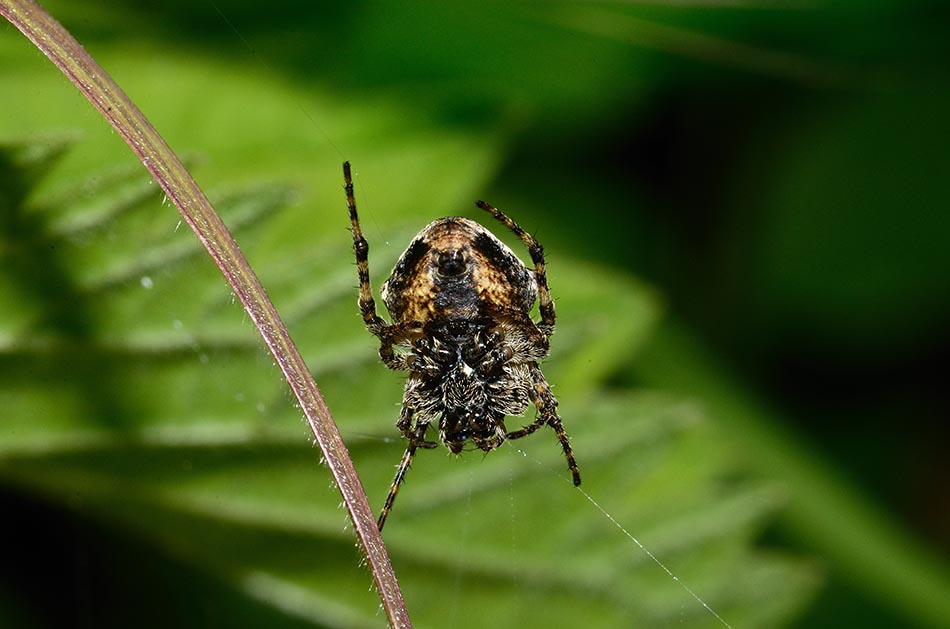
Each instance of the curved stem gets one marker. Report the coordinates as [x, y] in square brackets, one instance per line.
[97, 86]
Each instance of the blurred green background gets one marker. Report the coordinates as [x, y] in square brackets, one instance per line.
[744, 206]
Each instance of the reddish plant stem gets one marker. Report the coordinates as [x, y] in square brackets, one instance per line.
[96, 85]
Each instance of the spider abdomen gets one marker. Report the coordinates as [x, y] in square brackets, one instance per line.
[456, 269]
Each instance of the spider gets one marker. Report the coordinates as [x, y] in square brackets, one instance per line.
[460, 301]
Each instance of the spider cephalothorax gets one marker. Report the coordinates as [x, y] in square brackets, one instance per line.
[460, 301]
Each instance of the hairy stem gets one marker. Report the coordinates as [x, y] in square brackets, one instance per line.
[96, 85]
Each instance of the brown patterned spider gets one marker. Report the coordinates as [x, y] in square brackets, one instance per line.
[460, 301]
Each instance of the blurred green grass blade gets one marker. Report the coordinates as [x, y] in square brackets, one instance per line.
[866, 545]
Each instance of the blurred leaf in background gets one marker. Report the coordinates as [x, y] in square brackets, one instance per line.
[776, 171]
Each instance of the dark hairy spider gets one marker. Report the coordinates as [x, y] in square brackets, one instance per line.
[460, 301]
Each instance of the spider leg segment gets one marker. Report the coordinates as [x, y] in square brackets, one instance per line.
[495, 359]
[545, 303]
[416, 440]
[373, 322]
[404, 424]
[389, 335]
[547, 414]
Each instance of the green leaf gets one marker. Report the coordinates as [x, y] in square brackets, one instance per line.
[137, 396]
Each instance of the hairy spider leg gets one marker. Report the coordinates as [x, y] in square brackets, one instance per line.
[544, 399]
[495, 359]
[416, 440]
[545, 303]
[389, 335]
[374, 323]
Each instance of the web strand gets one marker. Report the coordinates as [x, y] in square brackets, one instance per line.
[643, 548]
[653, 557]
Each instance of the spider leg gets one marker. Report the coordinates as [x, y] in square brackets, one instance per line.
[527, 430]
[405, 427]
[373, 322]
[495, 359]
[391, 335]
[547, 414]
[416, 440]
[545, 303]
[497, 437]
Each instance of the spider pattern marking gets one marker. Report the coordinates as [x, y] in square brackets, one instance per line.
[460, 303]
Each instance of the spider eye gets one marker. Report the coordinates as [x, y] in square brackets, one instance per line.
[450, 263]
